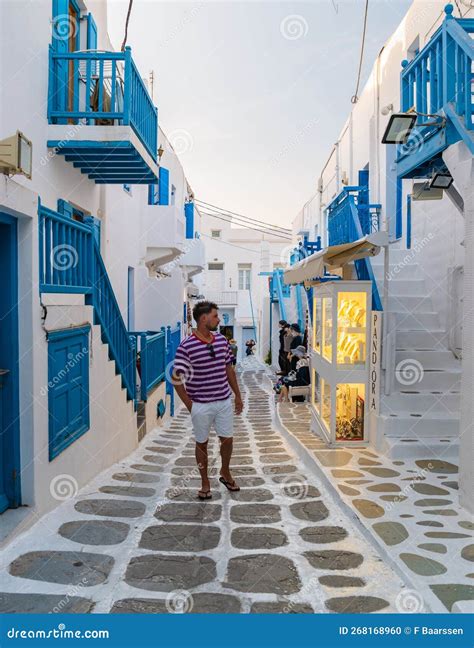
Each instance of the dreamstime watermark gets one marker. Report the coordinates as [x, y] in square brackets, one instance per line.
[72, 592]
[64, 27]
[70, 133]
[64, 257]
[309, 587]
[186, 373]
[402, 495]
[409, 257]
[57, 633]
[409, 602]
[409, 372]
[294, 141]
[63, 487]
[295, 486]
[73, 359]
[187, 18]
[181, 140]
[294, 27]
[179, 602]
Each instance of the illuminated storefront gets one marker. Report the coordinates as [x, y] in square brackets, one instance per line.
[340, 360]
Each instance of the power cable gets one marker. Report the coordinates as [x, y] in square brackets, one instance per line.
[246, 226]
[221, 210]
[240, 247]
[355, 97]
[122, 49]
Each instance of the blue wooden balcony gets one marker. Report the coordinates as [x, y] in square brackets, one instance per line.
[104, 121]
[438, 81]
[351, 216]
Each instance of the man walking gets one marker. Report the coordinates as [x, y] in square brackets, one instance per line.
[203, 375]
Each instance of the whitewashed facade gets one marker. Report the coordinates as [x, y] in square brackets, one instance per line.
[149, 262]
[427, 324]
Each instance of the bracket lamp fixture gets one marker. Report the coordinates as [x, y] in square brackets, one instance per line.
[400, 126]
[441, 181]
[16, 155]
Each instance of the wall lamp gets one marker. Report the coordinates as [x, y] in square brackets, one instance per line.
[400, 126]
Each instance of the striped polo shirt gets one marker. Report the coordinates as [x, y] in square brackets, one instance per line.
[204, 372]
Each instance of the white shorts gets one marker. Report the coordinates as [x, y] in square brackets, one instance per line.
[218, 413]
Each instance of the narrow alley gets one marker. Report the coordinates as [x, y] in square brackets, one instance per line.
[138, 540]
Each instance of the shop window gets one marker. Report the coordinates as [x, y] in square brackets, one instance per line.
[317, 324]
[351, 328]
[350, 408]
[327, 328]
[68, 387]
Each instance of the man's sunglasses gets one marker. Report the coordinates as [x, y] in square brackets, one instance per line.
[211, 350]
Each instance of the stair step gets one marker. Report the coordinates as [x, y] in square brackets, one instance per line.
[413, 287]
[411, 448]
[428, 381]
[396, 272]
[405, 403]
[416, 322]
[410, 303]
[439, 425]
[436, 359]
[420, 339]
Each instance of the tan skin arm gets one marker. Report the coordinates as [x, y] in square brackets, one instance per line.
[234, 385]
[181, 391]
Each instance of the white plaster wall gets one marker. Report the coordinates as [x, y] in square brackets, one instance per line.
[359, 144]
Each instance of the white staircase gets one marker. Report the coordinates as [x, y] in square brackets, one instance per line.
[421, 415]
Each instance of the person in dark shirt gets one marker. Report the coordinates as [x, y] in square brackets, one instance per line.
[282, 355]
[299, 375]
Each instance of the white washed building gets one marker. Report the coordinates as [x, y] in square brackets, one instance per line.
[236, 257]
[89, 253]
[424, 275]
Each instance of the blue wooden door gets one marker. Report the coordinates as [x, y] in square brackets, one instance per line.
[9, 400]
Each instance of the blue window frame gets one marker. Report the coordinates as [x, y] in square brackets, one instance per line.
[189, 216]
[164, 186]
[68, 387]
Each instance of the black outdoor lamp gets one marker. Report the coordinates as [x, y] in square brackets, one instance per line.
[441, 181]
[399, 128]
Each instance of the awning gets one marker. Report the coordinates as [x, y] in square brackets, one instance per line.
[334, 257]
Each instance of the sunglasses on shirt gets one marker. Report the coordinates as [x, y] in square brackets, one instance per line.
[211, 350]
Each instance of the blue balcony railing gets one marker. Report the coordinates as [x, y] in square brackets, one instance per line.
[152, 349]
[173, 339]
[441, 73]
[438, 82]
[350, 218]
[70, 262]
[101, 88]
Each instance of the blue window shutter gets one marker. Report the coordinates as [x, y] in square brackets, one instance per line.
[164, 187]
[189, 215]
[60, 44]
[65, 208]
[153, 196]
[68, 387]
[399, 210]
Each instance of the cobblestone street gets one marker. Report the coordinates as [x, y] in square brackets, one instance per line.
[138, 540]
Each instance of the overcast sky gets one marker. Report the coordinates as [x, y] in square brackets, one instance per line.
[253, 94]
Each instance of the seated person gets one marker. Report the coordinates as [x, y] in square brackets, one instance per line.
[299, 375]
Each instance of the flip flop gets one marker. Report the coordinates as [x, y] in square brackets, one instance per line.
[204, 495]
[229, 485]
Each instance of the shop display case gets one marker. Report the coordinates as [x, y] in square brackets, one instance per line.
[339, 360]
